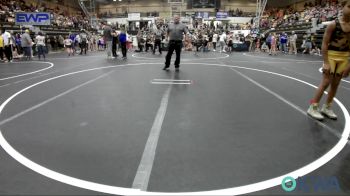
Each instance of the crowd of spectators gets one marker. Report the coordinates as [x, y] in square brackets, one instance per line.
[60, 17]
[318, 12]
[239, 13]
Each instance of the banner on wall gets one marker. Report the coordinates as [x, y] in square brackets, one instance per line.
[221, 15]
[134, 16]
[202, 14]
[33, 18]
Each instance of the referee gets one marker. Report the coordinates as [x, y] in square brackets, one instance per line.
[175, 35]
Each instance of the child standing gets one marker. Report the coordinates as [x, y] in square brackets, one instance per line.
[335, 49]
[40, 44]
[257, 49]
[273, 44]
[68, 45]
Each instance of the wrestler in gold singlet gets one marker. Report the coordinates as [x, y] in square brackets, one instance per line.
[338, 50]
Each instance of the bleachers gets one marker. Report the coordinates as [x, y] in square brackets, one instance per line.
[297, 27]
[63, 21]
[288, 20]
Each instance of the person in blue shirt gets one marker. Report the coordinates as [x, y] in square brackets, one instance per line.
[72, 36]
[284, 41]
[122, 41]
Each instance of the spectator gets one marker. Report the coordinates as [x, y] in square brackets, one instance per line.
[284, 41]
[215, 39]
[122, 41]
[108, 36]
[268, 42]
[222, 41]
[292, 43]
[115, 43]
[83, 42]
[18, 44]
[2, 48]
[68, 44]
[40, 45]
[27, 44]
[53, 42]
[307, 44]
[6, 36]
[73, 38]
[158, 35]
[60, 41]
[273, 43]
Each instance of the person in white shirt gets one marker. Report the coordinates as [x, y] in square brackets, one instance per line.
[222, 41]
[7, 45]
[76, 43]
[215, 39]
[40, 44]
[134, 42]
[68, 44]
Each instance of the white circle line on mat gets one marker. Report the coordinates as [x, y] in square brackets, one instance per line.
[284, 59]
[16, 76]
[129, 191]
[182, 59]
